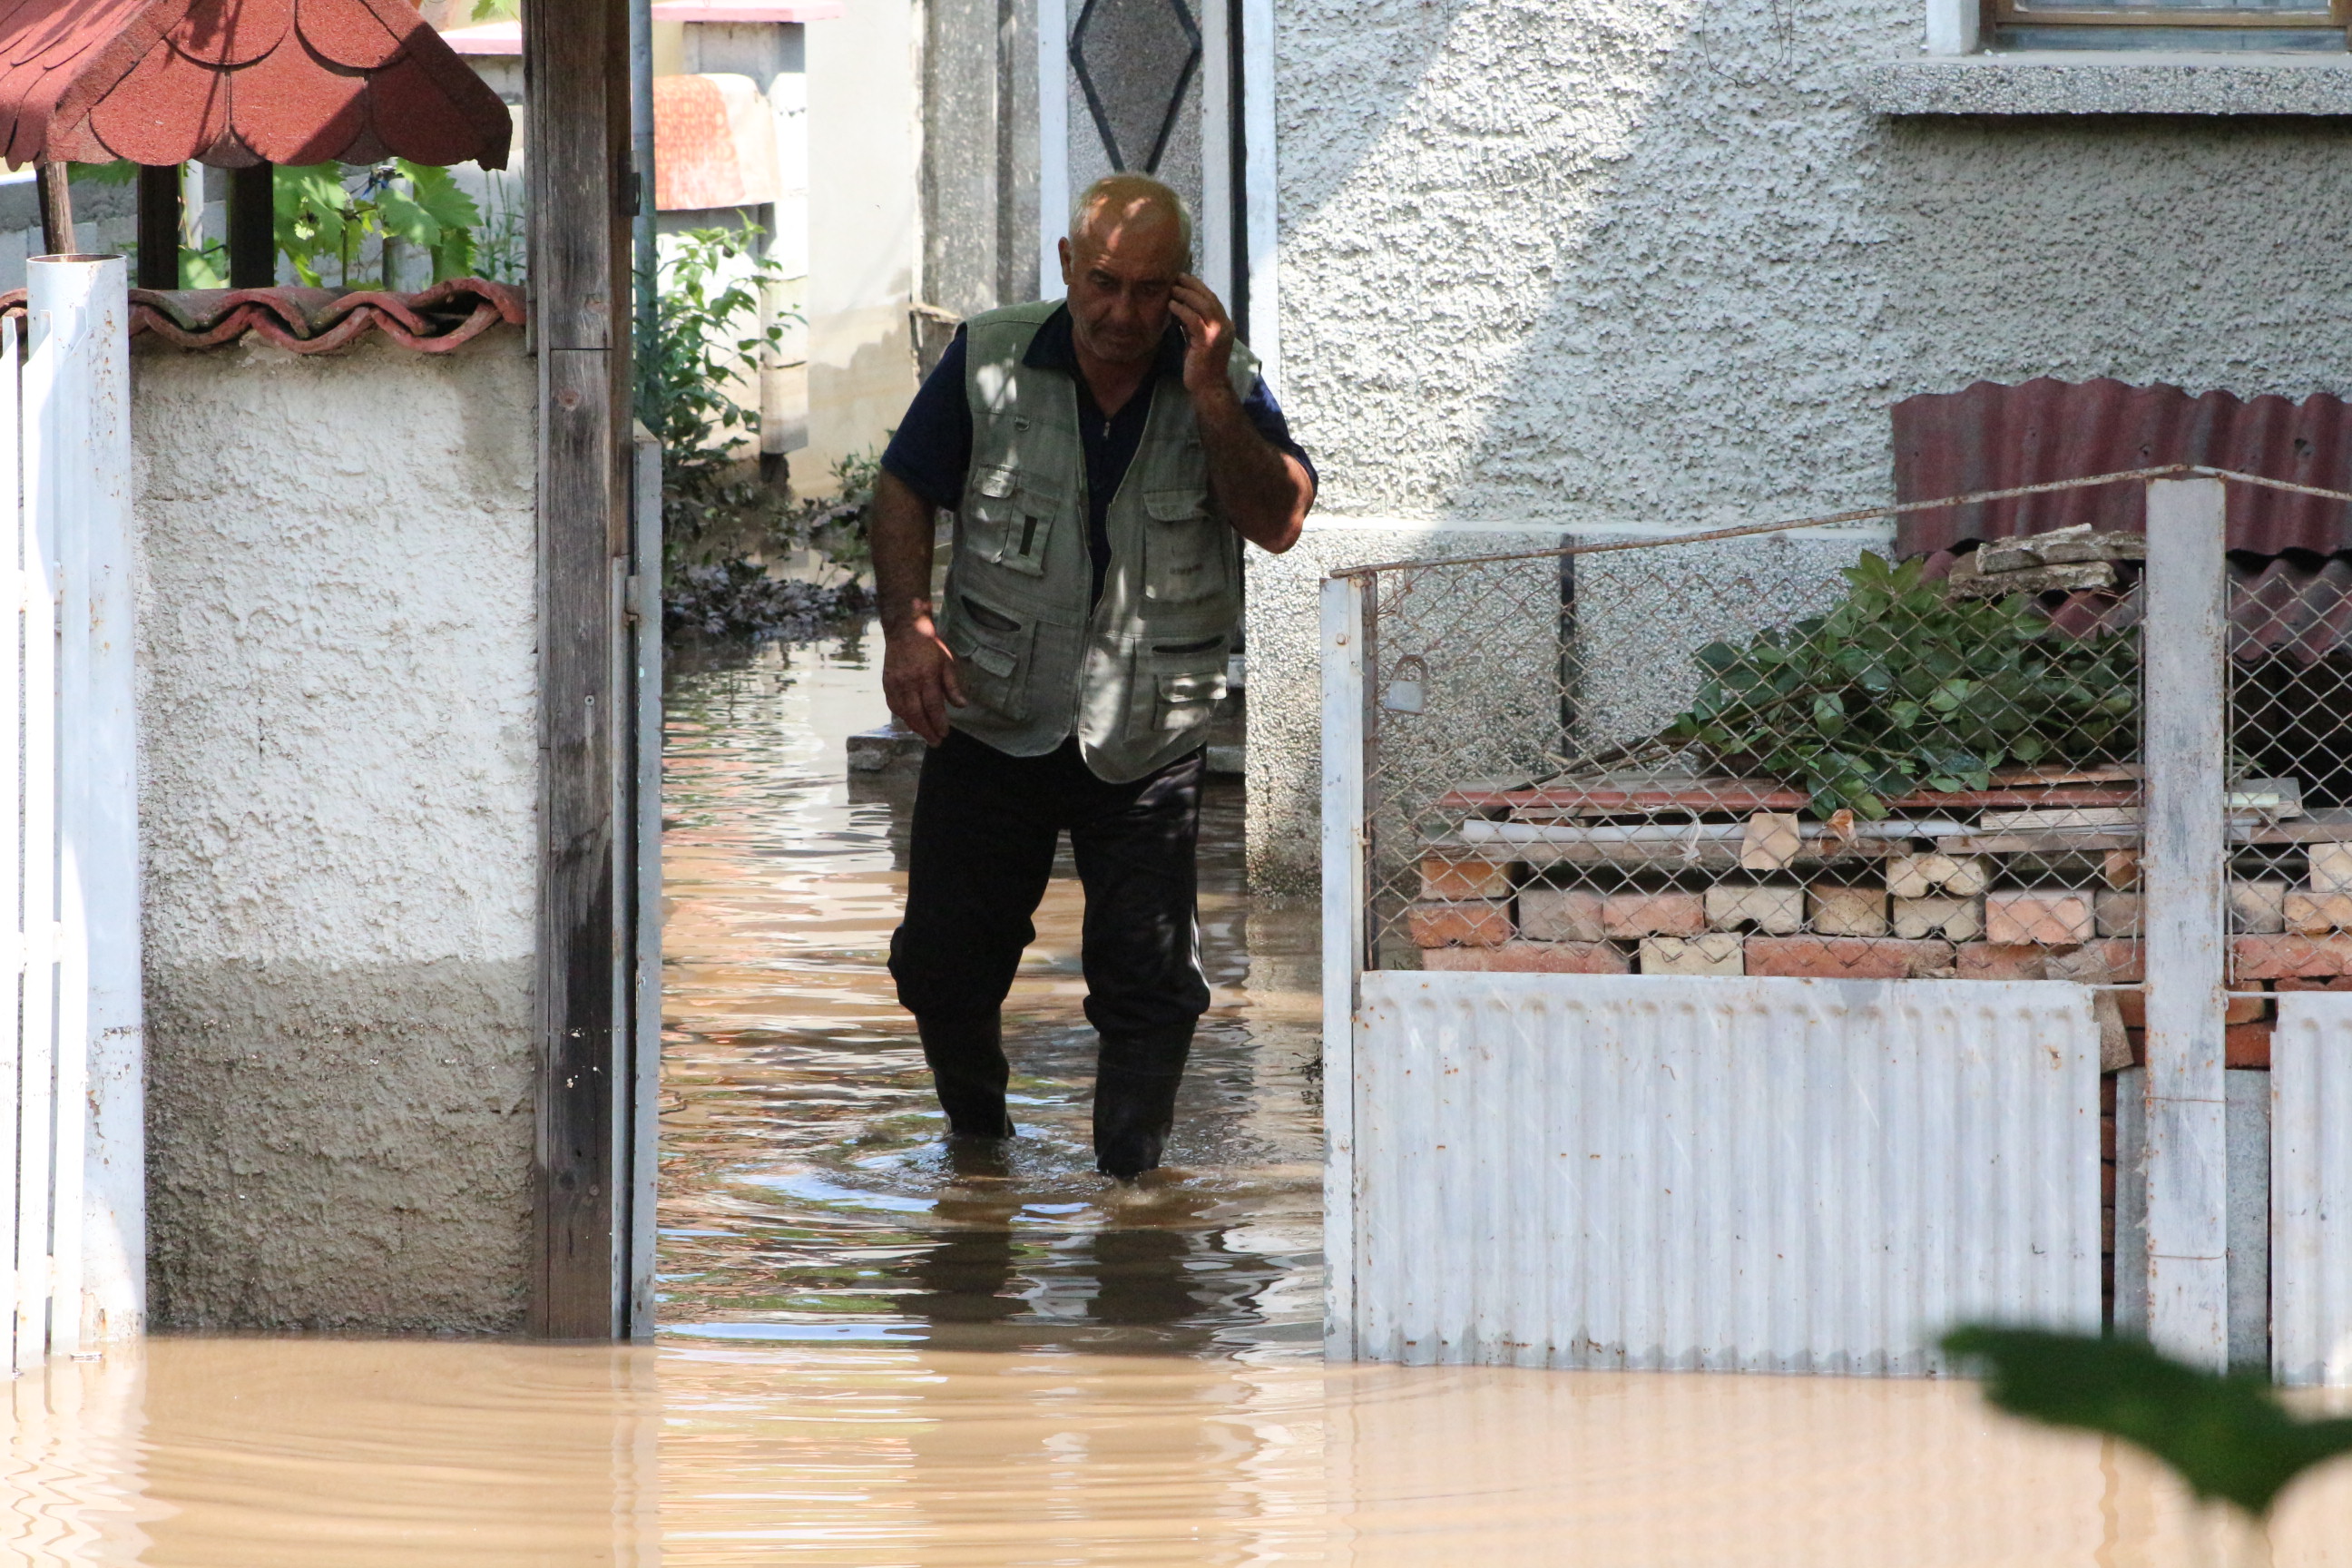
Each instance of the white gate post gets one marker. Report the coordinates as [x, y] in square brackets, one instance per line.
[77, 450]
[1343, 945]
[2185, 660]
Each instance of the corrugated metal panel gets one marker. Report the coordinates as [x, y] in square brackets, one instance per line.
[1766, 1175]
[2311, 1188]
[1991, 437]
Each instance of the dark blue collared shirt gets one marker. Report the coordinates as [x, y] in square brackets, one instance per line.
[931, 450]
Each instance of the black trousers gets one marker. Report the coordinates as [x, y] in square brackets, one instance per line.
[981, 851]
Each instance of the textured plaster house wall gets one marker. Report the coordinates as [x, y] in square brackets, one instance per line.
[1654, 262]
[337, 797]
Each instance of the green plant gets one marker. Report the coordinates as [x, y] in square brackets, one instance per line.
[836, 524]
[1897, 688]
[2226, 1436]
[710, 329]
[319, 218]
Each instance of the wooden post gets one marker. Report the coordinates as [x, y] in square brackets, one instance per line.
[1345, 673]
[576, 70]
[53, 183]
[2184, 657]
[159, 225]
[253, 227]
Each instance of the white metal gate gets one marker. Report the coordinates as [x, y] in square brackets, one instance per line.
[71, 1142]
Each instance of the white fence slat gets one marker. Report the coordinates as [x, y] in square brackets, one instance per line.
[35, 1150]
[18, 958]
[1343, 945]
[1718, 1174]
[2184, 657]
[2311, 1189]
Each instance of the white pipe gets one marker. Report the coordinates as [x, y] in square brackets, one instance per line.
[78, 485]
[1478, 831]
[1052, 143]
[1258, 194]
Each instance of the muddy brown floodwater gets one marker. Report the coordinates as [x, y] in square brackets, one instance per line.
[871, 1361]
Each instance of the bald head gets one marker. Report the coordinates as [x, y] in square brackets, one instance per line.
[1134, 214]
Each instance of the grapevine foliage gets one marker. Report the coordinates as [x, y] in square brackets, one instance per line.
[1898, 688]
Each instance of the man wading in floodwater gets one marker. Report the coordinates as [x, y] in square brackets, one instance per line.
[1103, 456]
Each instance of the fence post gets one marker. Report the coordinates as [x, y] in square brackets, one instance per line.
[1343, 945]
[77, 486]
[2185, 659]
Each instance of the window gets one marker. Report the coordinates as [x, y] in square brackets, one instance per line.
[2197, 24]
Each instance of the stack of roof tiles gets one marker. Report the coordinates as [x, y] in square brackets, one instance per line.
[317, 321]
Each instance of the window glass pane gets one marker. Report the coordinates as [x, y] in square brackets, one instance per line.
[2268, 40]
[2025, 8]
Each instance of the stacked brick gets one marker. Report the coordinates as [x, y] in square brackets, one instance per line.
[1929, 916]
[1926, 916]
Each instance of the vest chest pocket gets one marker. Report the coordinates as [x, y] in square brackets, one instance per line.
[1009, 520]
[1183, 547]
[991, 651]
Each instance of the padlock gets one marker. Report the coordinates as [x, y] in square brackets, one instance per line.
[1408, 688]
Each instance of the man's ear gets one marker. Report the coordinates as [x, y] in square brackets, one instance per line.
[1064, 246]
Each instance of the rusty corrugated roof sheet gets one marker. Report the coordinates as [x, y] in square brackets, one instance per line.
[232, 82]
[317, 320]
[1992, 437]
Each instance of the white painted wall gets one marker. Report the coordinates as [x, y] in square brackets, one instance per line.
[336, 663]
[863, 231]
[1655, 262]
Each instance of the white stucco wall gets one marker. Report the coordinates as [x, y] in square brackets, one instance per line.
[339, 791]
[1658, 263]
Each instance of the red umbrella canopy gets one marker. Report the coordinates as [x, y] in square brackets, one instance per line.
[237, 83]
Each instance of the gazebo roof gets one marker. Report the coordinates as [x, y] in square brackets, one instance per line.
[235, 82]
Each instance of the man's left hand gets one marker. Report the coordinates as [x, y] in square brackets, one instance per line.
[1208, 335]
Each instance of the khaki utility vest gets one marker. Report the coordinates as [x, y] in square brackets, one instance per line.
[1137, 678]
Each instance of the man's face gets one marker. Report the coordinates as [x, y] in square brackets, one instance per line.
[1118, 274]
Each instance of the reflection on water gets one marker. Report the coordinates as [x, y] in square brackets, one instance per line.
[326, 1454]
[805, 1194]
[876, 1360]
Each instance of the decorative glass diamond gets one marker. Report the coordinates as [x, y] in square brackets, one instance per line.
[1134, 59]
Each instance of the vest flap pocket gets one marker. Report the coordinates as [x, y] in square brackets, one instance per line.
[997, 482]
[1178, 505]
[1202, 686]
[992, 646]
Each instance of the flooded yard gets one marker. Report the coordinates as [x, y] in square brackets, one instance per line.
[873, 1359]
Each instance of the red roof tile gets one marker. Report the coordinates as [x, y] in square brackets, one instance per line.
[235, 82]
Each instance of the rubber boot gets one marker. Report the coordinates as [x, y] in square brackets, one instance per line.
[969, 1071]
[1133, 1113]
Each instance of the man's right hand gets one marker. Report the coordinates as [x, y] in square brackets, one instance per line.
[919, 678]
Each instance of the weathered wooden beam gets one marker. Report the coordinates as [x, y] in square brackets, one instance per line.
[253, 227]
[2183, 870]
[576, 65]
[159, 226]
